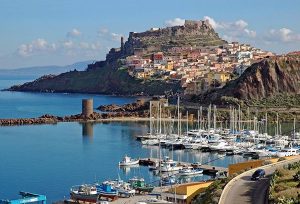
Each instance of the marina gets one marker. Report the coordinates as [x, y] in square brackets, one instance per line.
[146, 156]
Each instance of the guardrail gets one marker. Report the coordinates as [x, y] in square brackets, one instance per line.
[232, 181]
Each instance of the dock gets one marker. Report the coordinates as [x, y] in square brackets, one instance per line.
[207, 169]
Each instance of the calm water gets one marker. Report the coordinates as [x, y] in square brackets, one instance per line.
[18, 104]
[49, 159]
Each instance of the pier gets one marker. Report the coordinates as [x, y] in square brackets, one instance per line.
[207, 169]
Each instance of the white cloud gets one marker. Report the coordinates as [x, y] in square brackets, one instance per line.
[37, 46]
[212, 22]
[232, 30]
[175, 22]
[84, 45]
[103, 31]
[95, 46]
[284, 35]
[72, 48]
[68, 44]
[116, 36]
[74, 33]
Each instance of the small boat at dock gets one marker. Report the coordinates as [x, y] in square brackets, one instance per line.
[128, 161]
[140, 185]
[190, 171]
[84, 193]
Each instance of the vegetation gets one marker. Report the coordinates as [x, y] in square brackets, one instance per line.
[212, 193]
[285, 185]
[280, 100]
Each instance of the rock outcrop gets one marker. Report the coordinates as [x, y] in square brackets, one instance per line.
[191, 34]
[131, 107]
[267, 78]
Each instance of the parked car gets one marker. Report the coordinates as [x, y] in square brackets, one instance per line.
[259, 173]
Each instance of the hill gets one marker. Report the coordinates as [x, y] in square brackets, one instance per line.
[103, 80]
[105, 77]
[270, 78]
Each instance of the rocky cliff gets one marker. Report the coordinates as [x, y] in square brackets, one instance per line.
[192, 33]
[267, 78]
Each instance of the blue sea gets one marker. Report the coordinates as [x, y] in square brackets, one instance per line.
[49, 159]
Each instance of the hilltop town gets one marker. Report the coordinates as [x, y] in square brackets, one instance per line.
[190, 59]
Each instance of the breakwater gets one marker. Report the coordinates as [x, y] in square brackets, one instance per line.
[51, 119]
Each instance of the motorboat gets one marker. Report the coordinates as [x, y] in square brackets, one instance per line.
[128, 161]
[287, 152]
[190, 171]
[168, 165]
[124, 189]
[107, 191]
[140, 185]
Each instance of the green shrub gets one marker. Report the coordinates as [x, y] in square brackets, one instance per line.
[297, 176]
[281, 159]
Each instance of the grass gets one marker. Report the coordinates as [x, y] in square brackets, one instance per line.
[284, 188]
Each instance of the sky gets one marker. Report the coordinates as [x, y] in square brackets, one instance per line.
[61, 32]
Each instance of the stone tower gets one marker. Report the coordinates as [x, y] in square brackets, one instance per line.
[122, 44]
[87, 107]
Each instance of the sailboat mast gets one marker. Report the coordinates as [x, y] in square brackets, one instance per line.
[215, 117]
[150, 117]
[201, 125]
[277, 124]
[208, 116]
[198, 119]
[187, 122]
[178, 117]
[160, 119]
[266, 127]
[294, 132]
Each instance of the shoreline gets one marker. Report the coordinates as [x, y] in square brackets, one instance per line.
[54, 120]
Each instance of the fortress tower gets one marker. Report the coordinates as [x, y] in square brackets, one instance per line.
[87, 107]
[122, 44]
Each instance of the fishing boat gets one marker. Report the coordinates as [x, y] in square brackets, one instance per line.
[124, 189]
[128, 161]
[140, 185]
[190, 171]
[107, 192]
[85, 193]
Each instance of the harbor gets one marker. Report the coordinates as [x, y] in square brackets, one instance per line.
[149, 158]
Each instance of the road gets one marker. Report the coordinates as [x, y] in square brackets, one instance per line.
[242, 190]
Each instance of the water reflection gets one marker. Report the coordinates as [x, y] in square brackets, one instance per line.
[87, 132]
[126, 169]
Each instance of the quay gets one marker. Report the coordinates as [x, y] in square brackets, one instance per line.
[207, 169]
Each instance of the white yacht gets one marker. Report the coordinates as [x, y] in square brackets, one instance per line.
[168, 165]
[287, 152]
[190, 171]
[127, 161]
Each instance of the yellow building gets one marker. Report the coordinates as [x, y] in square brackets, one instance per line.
[170, 65]
[222, 77]
[185, 193]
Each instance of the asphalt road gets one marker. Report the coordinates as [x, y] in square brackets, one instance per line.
[244, 190]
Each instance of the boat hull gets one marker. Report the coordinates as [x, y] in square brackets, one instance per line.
[85, 198]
